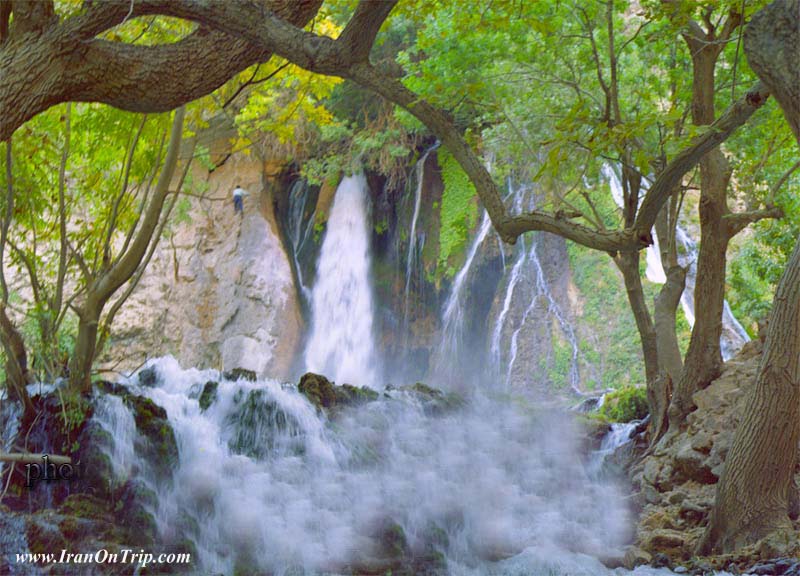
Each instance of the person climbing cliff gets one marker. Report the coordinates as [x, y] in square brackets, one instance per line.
[238, 200]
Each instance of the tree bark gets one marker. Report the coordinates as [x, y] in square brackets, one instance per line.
[628, 264]
[55, 62]
[756, 489]
[16, 362]
[704, 356]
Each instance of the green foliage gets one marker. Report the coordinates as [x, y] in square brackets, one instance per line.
[459, 213]
[625, 404]
[559, 370]
[610, 340]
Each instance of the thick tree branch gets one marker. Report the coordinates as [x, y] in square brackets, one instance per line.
[359, 35]
[772, 46]
[31, 16]
[121, 272]
[738, 221]
[63, 63]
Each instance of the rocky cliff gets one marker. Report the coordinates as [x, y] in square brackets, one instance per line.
[219, 291]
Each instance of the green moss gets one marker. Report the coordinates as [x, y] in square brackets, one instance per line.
[459, 213]
[208, 395]
[625, 404]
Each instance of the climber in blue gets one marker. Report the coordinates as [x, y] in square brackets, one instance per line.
[238, 200]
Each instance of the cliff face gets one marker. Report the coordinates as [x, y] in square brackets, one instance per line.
[219, 291]
[227, 291]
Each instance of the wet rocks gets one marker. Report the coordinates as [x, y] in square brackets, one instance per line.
[208, 395]
[326, 395]
[239, 374]
[260, 426]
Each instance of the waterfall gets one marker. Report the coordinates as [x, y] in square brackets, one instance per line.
[341, 344]
[266, 485]
[450, 350]
[299, 229]
[527, 288]
[413, 256]
[734, 336]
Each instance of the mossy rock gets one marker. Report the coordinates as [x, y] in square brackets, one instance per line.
[133, 511]
[347, 394]
[318, 389]
[160, 447]
[43, 536]
[85, 506]
[96, 468]
[625, 404]
[209, 395]
[433, 400]
[260, 424]
[240, 374]
[148, 377]
[326, 395]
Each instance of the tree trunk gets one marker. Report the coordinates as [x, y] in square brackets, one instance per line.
[669, 353]
[756, 490]
[16, 362]
[667, 301]
[628, 264]
[80, 367]
[16, 359]
[704, 357]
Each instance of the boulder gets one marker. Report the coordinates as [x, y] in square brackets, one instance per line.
[636, 557]
[208, 395]
[326, 395]
[240, 374]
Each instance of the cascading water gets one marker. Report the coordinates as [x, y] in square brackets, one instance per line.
[299, 228]
[453, 315]
[265, 485]
[734, 336]
[527, 291]
[341, 344]
[414, 249]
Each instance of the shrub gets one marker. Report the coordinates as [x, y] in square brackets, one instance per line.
[625, 404]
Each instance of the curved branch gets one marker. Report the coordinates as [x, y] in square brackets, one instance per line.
[359, 35]
[63, 64]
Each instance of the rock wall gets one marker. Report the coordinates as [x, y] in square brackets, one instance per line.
[676, 483]
[219, 290]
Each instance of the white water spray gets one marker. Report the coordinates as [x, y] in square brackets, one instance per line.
[341, 344]
[265, 484]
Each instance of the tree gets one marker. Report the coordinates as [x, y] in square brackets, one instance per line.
[250, 32]
[129, 263]
[717, 223]
[757, 488]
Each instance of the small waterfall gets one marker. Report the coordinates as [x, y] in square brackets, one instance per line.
[10, 416]
[527, 288]
[619, 435]
[299, 229]
[414, 251]
[450, 349]
[115, 418]
[341, 344]
[734, 336]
